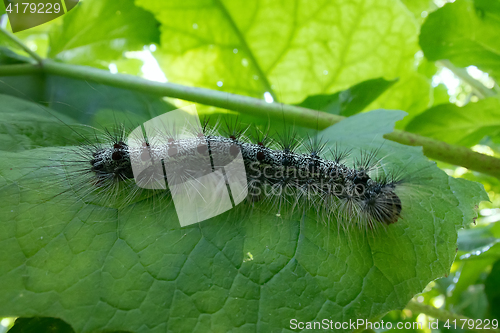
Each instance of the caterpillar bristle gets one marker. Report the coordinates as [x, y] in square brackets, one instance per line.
[315, 145]
[288, 140]
[339, 155]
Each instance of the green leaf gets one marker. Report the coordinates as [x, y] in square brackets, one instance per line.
[473, 302]
[427, 68]
[492, 291]
[350, 101]
[478, 237]
[418, 6]
[465, 125]
[441, 95]
[38, 325]
[479, 243]
[290, 50]
[83, 99]
[469, 275]
[133, 268]
[412, 94]
[98, 31]
[466, 33]
[25, 125]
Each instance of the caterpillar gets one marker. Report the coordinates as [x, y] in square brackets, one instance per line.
[283, 174]
[271, 170]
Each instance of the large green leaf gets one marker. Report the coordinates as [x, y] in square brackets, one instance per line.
[461, 125]
[101, 269]
[98, 31]
[290, 49]
[466, 33]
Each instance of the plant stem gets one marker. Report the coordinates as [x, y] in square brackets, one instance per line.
[453, 154]
[20, 43]
[438, 150]
[444, 316]
[257, 107]
[19, 69]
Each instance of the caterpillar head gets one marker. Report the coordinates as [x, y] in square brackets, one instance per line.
[383, 205]
[112, 162]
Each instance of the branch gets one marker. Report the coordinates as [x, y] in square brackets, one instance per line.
[452, 154]
[254, 106]
[19, 69]
[444, 316]
[439, 150]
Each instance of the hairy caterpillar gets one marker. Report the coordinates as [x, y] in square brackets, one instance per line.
[273, 172]
[281, 175]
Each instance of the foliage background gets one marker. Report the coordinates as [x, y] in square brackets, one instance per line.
[435, 60]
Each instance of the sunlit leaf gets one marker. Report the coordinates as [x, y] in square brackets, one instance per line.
[466, 33]
[465, 125]
[97, 31]
[289, 49]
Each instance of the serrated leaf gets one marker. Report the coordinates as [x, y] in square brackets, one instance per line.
[290, 50]
[101, 268]
[466, 33]
[96, 32]
[465, 125]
